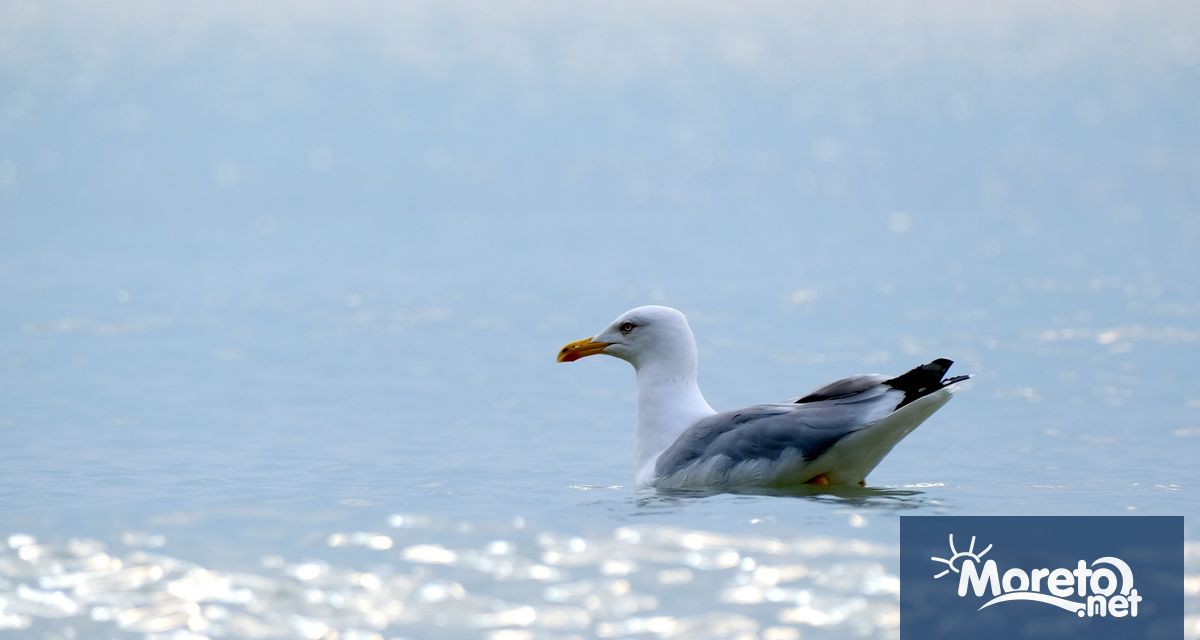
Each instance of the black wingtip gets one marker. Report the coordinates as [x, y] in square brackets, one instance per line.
[923, 380]
[941, 364]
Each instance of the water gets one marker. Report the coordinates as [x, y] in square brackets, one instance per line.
[282, 290]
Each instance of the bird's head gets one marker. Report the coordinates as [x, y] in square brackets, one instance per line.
[641, 336]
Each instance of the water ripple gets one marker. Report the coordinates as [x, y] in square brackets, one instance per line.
[650, 580]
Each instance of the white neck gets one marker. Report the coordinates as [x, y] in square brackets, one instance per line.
[669, 401]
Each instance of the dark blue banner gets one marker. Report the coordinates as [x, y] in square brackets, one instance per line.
[1053, 577]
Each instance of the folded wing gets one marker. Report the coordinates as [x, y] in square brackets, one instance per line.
[807, 426]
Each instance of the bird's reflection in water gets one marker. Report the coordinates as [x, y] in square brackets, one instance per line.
[884, 498]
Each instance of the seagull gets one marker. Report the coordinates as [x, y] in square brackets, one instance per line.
[834, 435]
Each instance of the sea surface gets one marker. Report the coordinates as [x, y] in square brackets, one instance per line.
[281, 289]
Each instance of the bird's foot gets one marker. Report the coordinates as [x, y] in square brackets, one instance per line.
[820, 481]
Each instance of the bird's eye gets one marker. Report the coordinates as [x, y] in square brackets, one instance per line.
[626, 327]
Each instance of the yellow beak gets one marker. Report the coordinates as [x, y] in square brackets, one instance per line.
[581, 349]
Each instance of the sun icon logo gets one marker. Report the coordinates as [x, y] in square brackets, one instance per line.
[957, 558]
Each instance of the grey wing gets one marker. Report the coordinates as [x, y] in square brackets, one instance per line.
[843, 388]
[810, 425]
